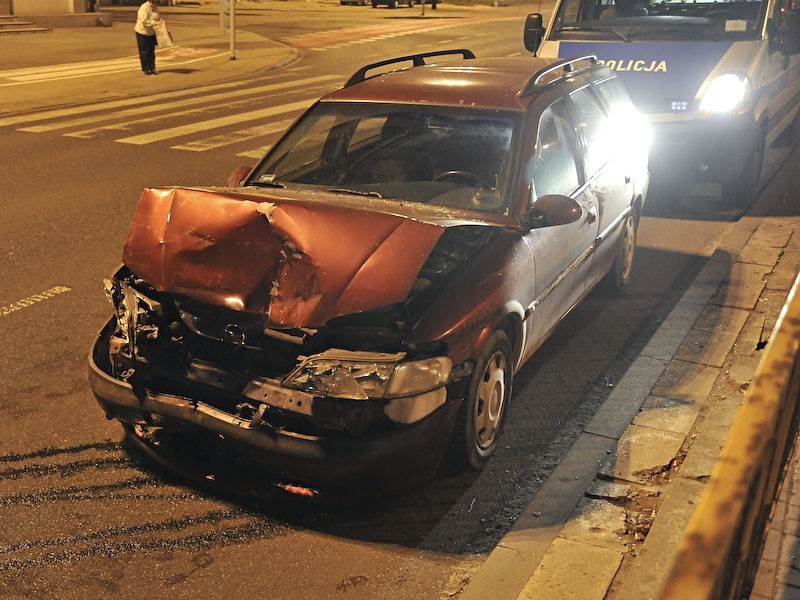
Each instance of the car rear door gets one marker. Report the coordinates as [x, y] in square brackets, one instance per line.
[607, 174]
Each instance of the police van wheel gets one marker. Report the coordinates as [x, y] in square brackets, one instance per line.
[741, 191]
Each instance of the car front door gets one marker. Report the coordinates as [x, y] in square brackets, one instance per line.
[561, 253]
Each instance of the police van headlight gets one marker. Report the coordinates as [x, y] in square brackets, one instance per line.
[728, 93]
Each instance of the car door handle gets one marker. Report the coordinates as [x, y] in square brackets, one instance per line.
[591, 217]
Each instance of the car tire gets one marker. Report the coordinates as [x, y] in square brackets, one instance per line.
[622, 267]
[410, 3]
[393, 3]
[374, 4]
[742, 190]
[480, 419]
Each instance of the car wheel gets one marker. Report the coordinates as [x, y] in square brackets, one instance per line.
[410, 3]
[481, 417]
[621, 269]
[742, 190]
[374, 4]
[393, 3]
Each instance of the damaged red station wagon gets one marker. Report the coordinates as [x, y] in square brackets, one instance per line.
[357, 305]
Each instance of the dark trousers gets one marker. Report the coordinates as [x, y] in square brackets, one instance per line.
[147, 51]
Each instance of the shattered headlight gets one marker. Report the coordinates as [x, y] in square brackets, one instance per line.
[365, 375]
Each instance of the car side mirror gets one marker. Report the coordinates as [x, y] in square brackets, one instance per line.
[534, 32]
[552, 210]
[238, 176]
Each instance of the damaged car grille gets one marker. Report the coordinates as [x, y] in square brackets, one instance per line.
[287, 379]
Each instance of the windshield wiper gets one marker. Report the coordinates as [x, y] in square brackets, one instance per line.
[354, 192]
[589, 28]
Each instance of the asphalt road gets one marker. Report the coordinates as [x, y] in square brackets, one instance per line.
[81, 517]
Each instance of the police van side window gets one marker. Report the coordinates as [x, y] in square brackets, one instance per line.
[554, 168]
[595, 129]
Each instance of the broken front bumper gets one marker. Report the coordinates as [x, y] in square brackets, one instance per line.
[344, 466]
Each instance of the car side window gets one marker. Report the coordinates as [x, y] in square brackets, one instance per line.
[614, 95]
[594, 125]
[554, 168]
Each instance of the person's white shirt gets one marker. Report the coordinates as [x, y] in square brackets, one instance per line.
[146, 19]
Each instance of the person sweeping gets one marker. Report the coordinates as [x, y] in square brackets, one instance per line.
[146, 20]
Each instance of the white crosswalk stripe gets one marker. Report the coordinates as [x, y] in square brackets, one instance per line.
[181, 130]
[326, 40]
[226, 139]
[175, 56]
[151, 119]
[149, 108]
[255, 153]
[57, 113]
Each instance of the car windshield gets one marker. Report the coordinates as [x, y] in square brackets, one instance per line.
[447, 156]
[670, 20]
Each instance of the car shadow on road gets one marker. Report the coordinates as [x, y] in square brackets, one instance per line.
[403, 518]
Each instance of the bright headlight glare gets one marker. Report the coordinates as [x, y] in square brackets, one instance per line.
[725, 94]
[630, 131]
[419, 376]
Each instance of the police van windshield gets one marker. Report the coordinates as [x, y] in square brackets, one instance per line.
[666, 20]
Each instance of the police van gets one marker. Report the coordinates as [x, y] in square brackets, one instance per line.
[718, 81]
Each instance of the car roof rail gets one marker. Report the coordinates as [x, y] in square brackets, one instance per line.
[418, 60]
[566, 66]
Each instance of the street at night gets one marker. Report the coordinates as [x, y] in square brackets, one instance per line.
[84, 132]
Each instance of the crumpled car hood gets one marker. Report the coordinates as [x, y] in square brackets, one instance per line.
[300, 261]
